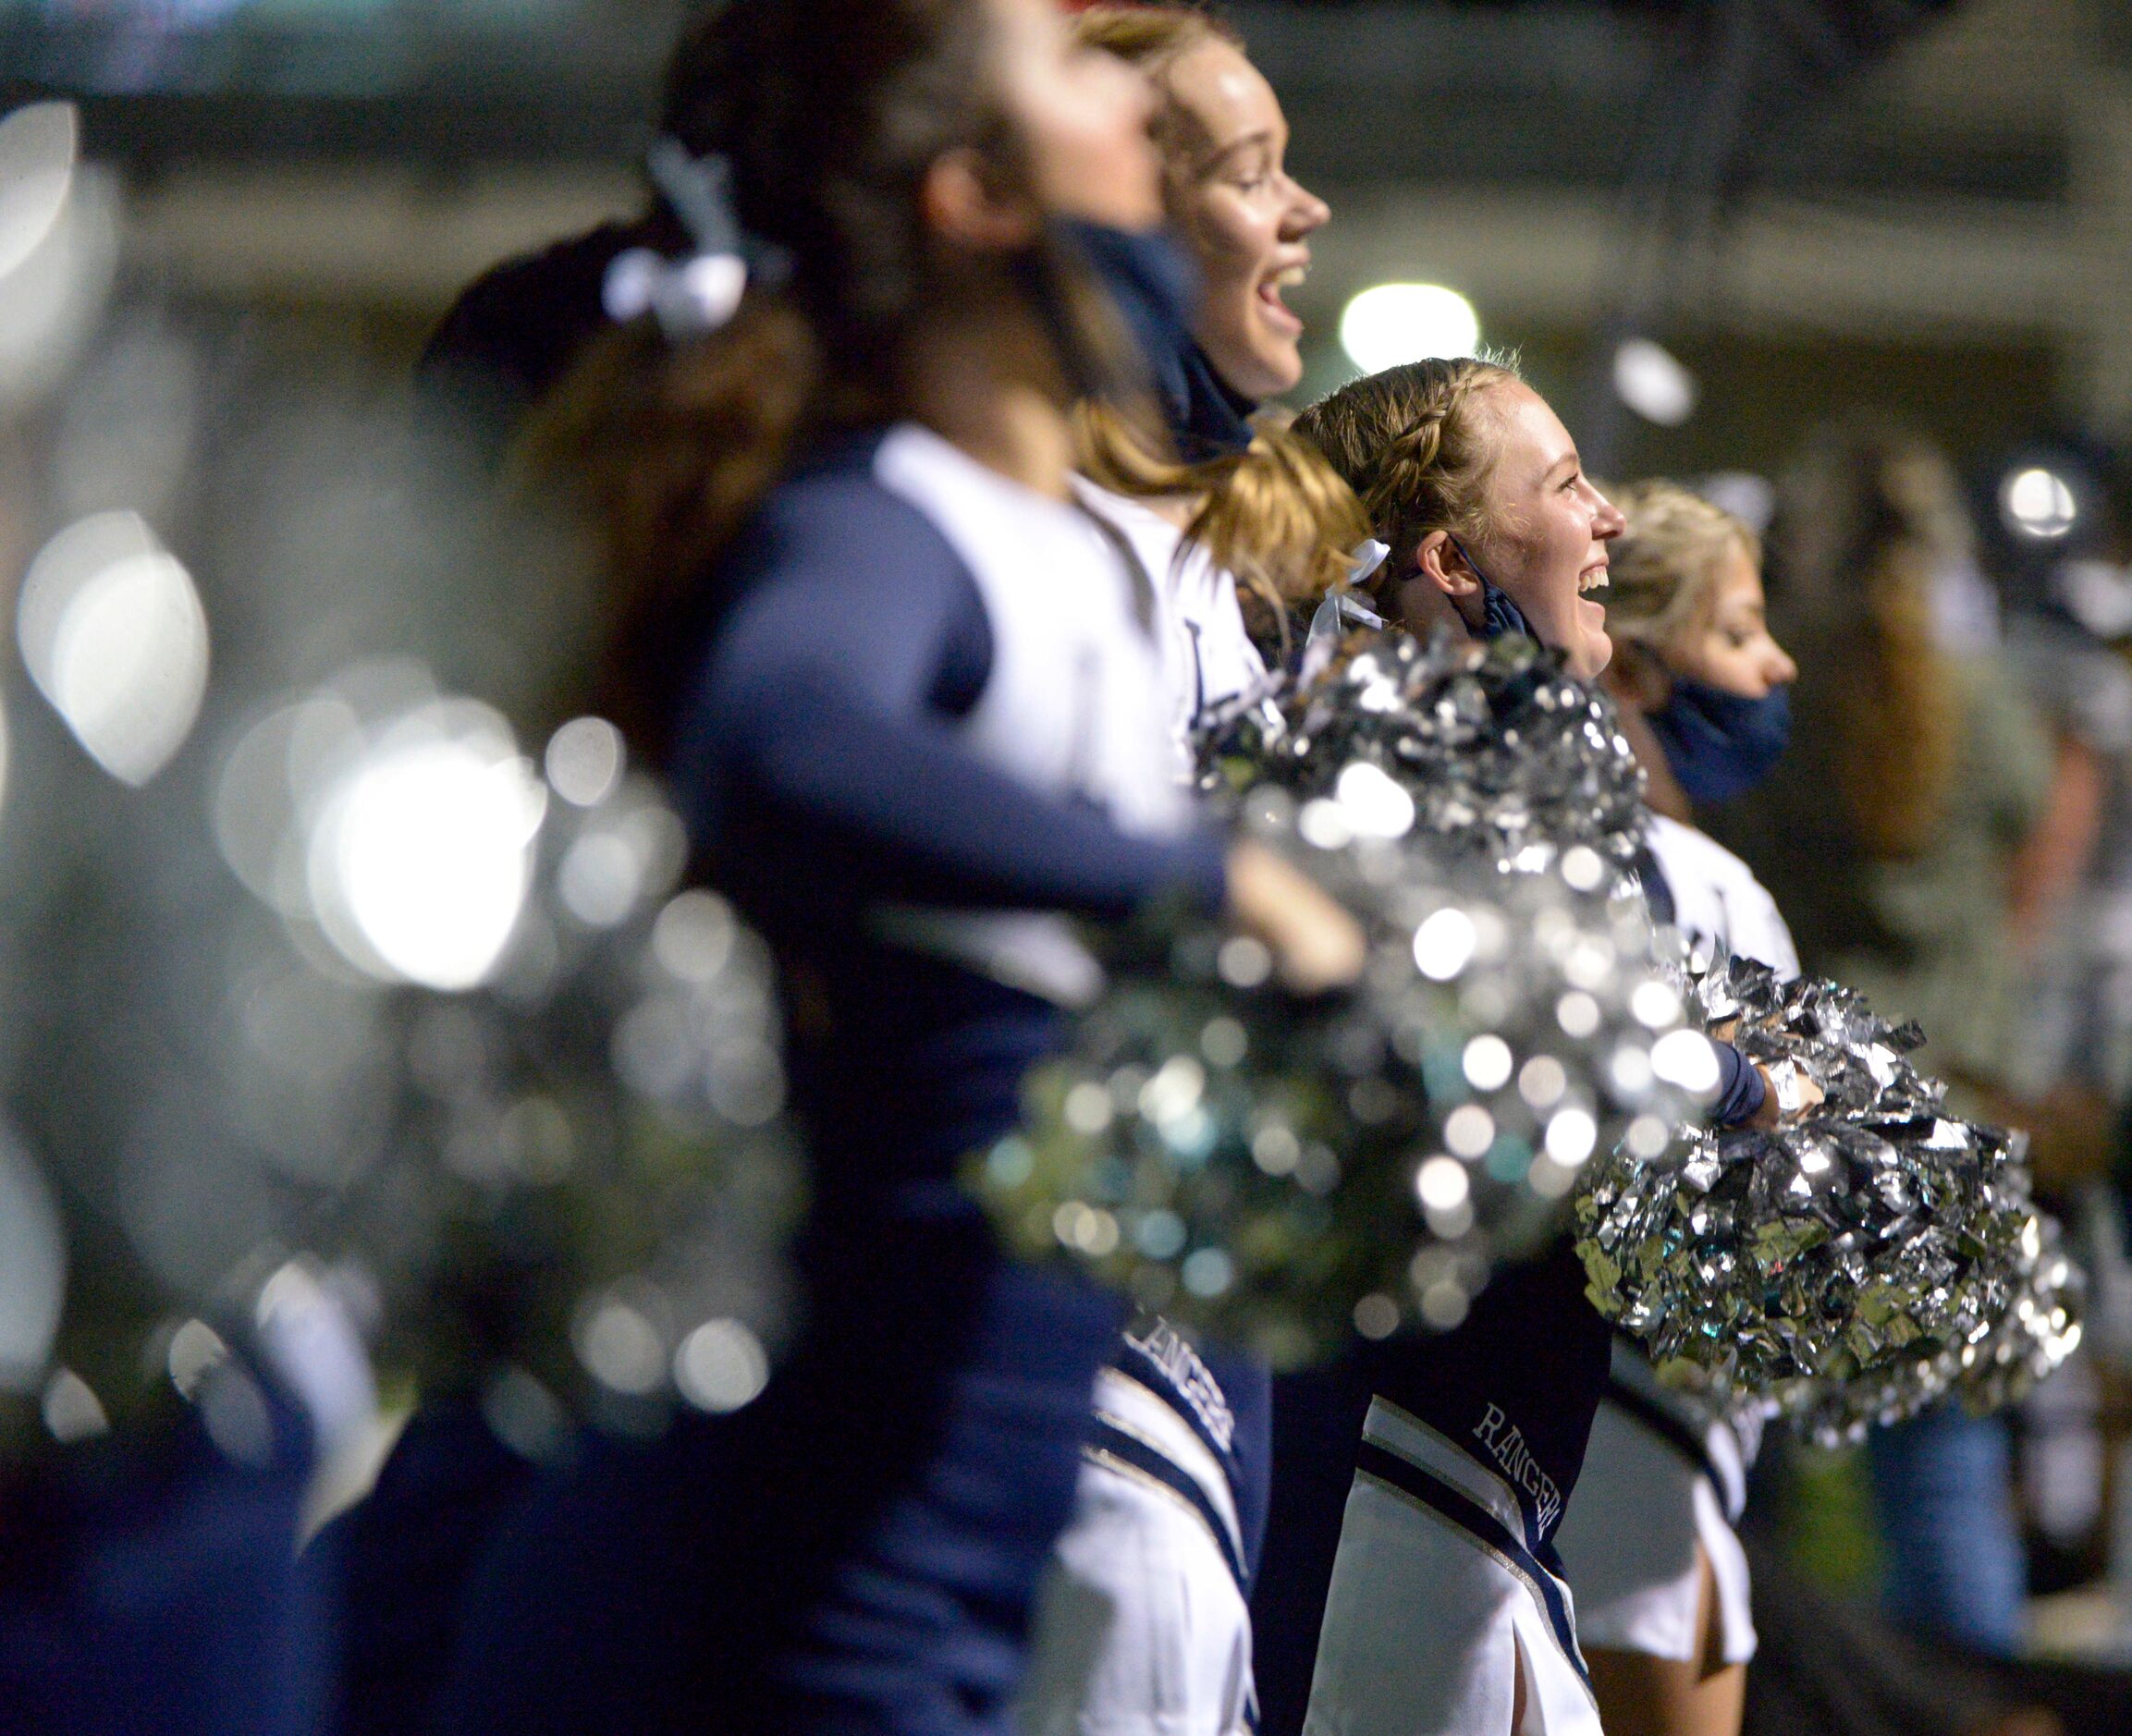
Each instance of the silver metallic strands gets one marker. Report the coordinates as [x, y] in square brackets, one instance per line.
[559, 1077]
[1504, 757]
[1291, 1171]
[1853, 1264]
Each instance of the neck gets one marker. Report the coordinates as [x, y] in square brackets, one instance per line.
[983, 380]
[1421, 608]
[1662, 791]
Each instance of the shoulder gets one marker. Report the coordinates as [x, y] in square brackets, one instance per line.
[834, 517]
[2083, 686]
[1693, 852]
[2006, 738]
[1138, 518]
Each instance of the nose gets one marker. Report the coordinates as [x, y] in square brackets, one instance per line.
[1306, 214]
[1608, 520]
[1777, 667]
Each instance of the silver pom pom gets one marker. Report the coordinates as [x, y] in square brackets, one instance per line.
[1851, 1265]
[1289, 1171]
[1504, 758]
[563, 1070]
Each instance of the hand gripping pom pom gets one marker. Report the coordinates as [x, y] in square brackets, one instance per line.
[1850, 1266]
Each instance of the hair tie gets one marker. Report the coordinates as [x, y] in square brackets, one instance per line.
[698, 295]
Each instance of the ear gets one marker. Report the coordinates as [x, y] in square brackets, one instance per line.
[959, 204]
[1438, 561]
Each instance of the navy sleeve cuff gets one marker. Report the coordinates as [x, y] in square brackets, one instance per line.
[1207, 871]
[1741, 1091]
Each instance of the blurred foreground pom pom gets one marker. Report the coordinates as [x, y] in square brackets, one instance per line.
[58, 249]
[1851, 1266]
[1488, 751]
[1287, 1171]
[564, 1074]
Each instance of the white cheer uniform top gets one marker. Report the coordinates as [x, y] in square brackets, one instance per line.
[1663, 1472]
[1207, 655]
[1077, 703]
[1718, 903]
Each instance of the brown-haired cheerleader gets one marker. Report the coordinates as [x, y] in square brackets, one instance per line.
[907, 694]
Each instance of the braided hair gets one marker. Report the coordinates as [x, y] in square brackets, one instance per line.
[1412, 445]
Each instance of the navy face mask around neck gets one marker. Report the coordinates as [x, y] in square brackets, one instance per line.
[1151, 282]
[1499, 614]
[1718, 744]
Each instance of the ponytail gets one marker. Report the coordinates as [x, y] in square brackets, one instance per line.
[822, 118]
[670, 449]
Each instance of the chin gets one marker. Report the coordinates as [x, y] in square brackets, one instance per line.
[1587, 662]
[1283, 365]
[1278, 367]
[1253, 364]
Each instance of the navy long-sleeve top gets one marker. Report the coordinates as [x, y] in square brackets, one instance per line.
[821, 757]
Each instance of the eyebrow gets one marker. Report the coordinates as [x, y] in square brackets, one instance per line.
[1569, 459]
[1264, 139]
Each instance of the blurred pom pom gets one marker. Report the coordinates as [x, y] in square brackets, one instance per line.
[1488, 751]
[1287, 1172]
[1850, 1266]
[570, 1070]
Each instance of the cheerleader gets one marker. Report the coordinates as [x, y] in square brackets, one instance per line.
[1446, 1609]
[1649, 1543]
[907, 691]
[1145, 1625]
[1250, 521]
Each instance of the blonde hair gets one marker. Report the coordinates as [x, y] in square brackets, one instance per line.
[1275, 515]
[1666, 566]
[1413, 445]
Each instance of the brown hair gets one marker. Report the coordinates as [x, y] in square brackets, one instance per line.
[1665, 565]
[1864, 523]
[1864, 519]
[1412, 445]
[830, 114]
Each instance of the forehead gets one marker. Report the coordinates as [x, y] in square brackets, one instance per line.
[1533, 439]
[1224, 93]
[1736, 578]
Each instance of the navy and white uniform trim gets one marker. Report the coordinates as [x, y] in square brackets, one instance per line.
[1157, 1361]
[1633, 1389]
[1145, 1626]
[1405, 1454]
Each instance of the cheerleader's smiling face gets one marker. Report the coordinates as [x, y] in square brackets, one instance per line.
[1545, 537]
[1245, 217]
